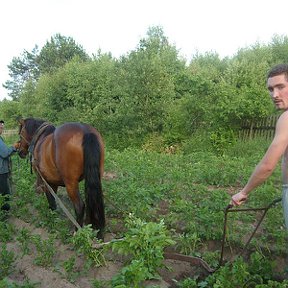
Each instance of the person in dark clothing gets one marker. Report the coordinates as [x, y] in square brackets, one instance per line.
[5, 153]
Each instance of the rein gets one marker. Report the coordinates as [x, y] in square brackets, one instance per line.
[21, 136]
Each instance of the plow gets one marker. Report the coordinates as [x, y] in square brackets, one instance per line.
[197, 261]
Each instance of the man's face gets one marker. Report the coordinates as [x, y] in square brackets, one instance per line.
[1, 127]
[278, 90]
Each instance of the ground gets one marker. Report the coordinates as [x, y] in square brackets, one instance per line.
[57, 277]
[49, 277]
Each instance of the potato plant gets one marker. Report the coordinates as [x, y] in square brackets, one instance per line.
[187, 192]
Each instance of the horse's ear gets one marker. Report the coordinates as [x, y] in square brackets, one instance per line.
[20, 120]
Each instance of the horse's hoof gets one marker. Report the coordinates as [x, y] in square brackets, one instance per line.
[100, 235]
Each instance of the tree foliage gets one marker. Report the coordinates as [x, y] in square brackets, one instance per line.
[21, 70]
[31, 65]
[149, 91]
[149, 75]
[57, 52]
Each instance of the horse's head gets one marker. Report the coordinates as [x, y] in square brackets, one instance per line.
[27, 129]
[25, 139]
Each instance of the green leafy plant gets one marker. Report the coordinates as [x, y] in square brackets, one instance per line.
[187, 283]
[45, 250]
[188, 242]
[261, 265]
[2, 212]
[241, 274]
[132, 275]
[24, 238]
[5, 283]
[69, 267]
[228, 276]
[83, 242]
[7, 259]
[145, 242]
[222, 139]
[273, 284]
[6, 231]
[100, 283]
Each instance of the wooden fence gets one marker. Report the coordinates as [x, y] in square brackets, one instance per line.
[264, 128]
[10, 132]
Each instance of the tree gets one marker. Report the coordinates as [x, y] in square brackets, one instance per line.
[21, 70]
[48, 98]
[194, 87]
[93, 89]
[279, 47]
[57, 52]
[242, 92]
[149, 74]
[9, 111]
[31, 65]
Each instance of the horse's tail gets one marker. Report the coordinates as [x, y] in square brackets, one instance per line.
[93, 187]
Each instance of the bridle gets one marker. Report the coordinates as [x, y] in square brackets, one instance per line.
[31, 144]
[23, 137]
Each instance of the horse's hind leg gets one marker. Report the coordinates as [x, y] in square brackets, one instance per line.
[40, 186]
[79, 206]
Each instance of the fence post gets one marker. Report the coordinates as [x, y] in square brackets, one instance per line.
[264, 127]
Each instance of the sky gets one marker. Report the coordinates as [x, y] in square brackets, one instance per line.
[117, 26]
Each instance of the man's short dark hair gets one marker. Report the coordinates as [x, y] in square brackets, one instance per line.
[278, 70]
[2, 121]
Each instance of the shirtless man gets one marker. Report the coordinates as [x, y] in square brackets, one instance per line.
[277, 84]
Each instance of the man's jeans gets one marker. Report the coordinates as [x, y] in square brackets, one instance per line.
[285, 203]
[5, 191]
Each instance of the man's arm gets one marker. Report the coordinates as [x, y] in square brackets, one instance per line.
[6, 151]
[268, 163]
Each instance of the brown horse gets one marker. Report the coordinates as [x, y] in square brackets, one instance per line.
[64, 156]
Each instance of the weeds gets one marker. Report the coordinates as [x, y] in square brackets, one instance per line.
[188, 243]
[45, 250]
[146, 243]
[24, 239]
[7, 259]
[69, 267]
[6, 231]
[4, 283]
[83, 242]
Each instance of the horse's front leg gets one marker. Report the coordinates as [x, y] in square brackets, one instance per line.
[42, 187]
[50, 197]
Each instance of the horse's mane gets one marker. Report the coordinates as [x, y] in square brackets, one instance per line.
[32, 124]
